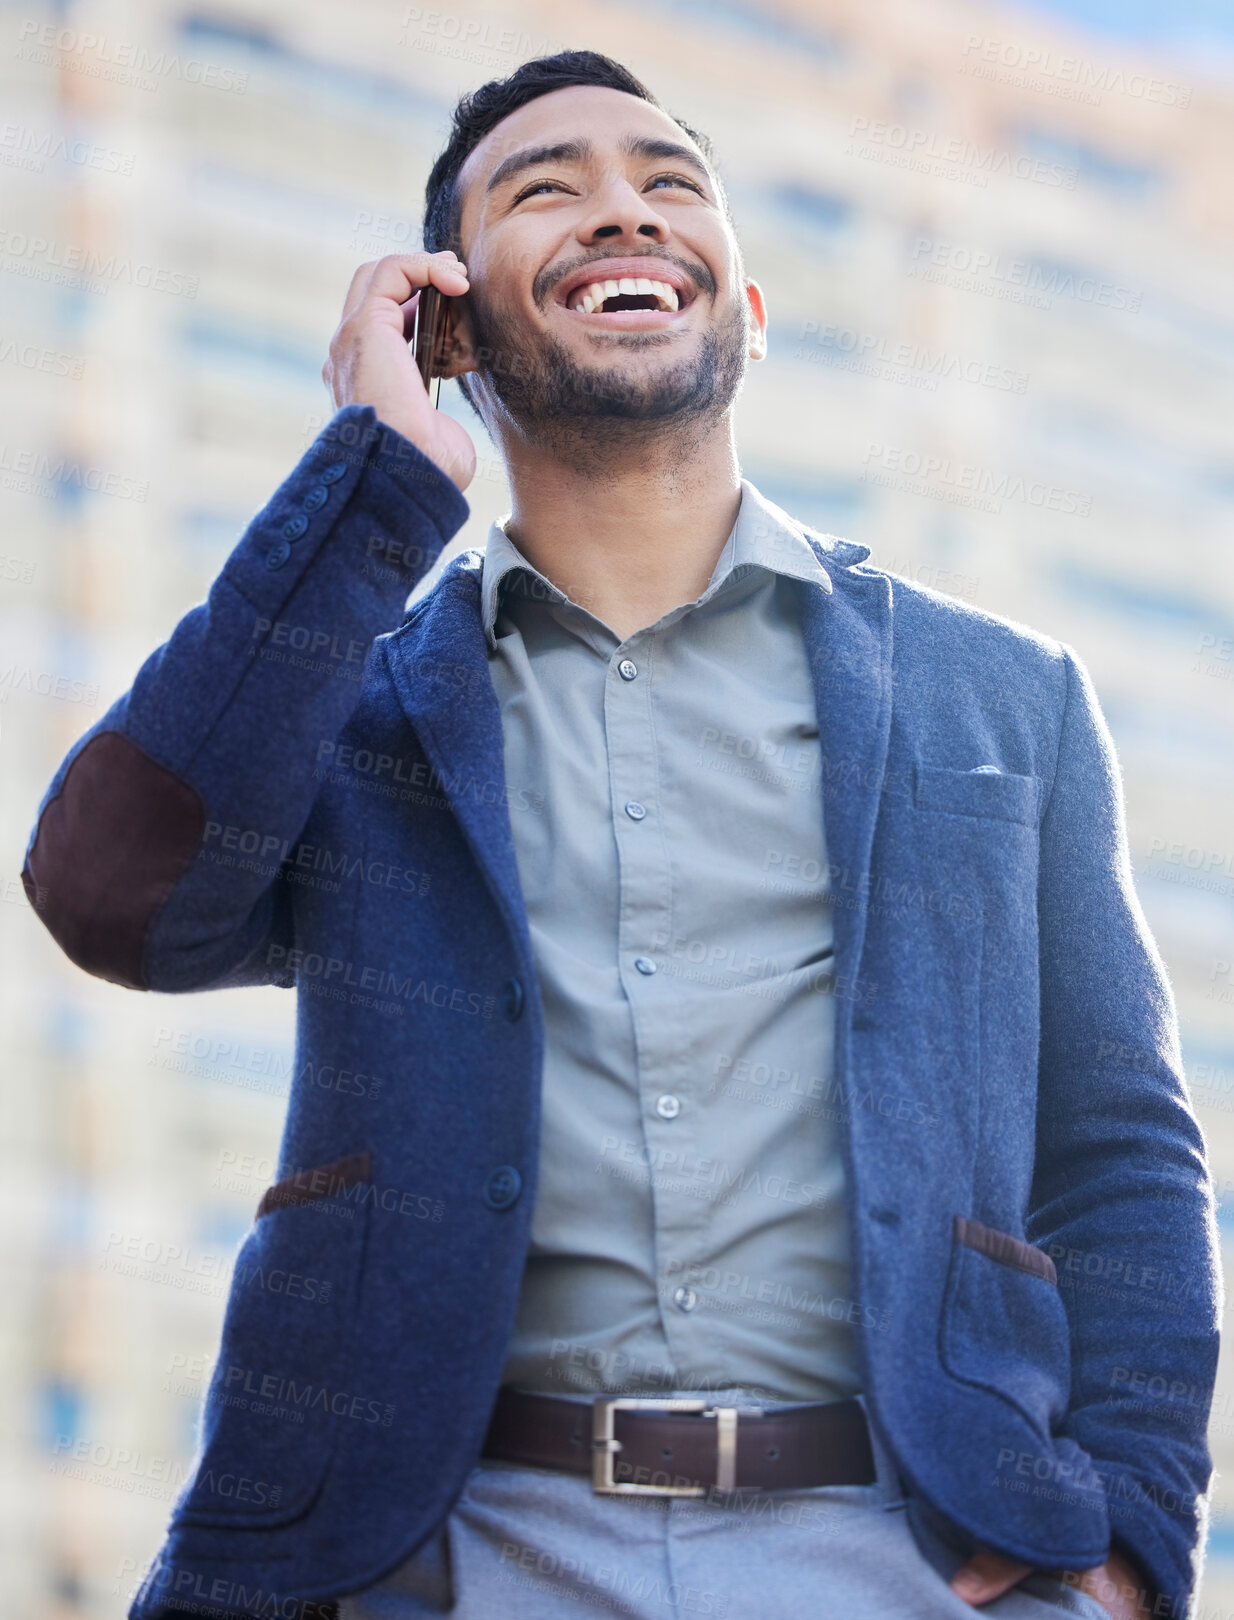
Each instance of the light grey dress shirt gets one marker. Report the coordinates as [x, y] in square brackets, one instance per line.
[665, 797]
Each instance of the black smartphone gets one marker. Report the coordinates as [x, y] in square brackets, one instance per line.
[428, 336]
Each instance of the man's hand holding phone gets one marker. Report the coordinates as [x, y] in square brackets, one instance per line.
[370, 362]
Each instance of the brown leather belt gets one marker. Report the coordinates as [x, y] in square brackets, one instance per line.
[675, 1447]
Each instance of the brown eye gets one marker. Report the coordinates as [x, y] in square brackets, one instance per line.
[539, 185]
[678, 179]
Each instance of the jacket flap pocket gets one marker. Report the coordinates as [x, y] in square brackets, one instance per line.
[976, 793]
[1004, 1326]
[280, 1393]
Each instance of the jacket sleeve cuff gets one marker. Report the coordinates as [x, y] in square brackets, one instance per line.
[399, 509]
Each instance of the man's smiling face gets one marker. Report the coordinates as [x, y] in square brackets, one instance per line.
[605, 277]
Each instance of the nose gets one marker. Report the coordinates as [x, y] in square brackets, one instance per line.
[619, 211]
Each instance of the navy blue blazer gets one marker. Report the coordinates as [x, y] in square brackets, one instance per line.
[294, 794]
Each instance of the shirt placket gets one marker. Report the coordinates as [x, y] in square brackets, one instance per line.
[668, 1145]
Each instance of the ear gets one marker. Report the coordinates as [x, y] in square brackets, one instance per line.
[756, 321]
[457, 351]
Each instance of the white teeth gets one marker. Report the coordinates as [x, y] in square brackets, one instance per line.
[591, 298]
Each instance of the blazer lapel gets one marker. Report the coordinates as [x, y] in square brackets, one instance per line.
[848, 636]
[439, 664]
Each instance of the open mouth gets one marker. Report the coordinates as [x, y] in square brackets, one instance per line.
[627, 292]
[635, 293]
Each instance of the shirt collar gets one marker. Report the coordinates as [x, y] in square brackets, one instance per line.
[764, 536]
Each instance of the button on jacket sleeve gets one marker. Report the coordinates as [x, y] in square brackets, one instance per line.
[217, 735]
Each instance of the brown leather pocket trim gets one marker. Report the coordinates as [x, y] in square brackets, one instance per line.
[1007, 1250]
[305, 1186]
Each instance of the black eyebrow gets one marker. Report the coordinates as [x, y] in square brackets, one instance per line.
[579, 151]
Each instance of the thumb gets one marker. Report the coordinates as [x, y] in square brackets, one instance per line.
[987, 1575]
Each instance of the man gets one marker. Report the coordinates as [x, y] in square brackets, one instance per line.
[720, 981]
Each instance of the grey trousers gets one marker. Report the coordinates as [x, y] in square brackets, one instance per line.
[530, 1544]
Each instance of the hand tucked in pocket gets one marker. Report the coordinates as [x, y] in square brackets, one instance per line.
[1116, 1584]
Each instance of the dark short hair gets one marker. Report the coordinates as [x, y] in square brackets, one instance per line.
[476, 114]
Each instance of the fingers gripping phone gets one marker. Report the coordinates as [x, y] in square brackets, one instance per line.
[432, 320]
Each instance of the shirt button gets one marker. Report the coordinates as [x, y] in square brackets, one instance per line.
[644, 964]
[668, 1107]
[512, 999]
[503, 1187]
[295, 527]
[627, 669]
[636, 811]
[316, 498]
[278, 554]
[333, 473]
[685, 1299]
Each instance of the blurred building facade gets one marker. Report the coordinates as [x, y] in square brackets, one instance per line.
[996, 251]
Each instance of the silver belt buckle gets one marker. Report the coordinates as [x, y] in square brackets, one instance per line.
[605, 1445]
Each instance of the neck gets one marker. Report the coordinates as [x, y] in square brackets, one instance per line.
[631, 537]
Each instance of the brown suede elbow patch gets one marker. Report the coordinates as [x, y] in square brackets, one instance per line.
[110, 848]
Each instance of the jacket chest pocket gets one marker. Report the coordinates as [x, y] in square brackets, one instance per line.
[1004, 1326]
[999, 795]
[279, 1395]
